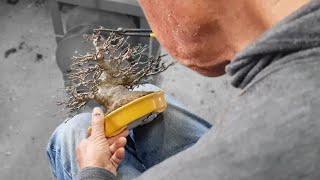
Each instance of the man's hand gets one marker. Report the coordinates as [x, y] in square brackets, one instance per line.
[99, 151]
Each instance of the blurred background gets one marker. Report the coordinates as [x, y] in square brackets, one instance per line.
[37, 39]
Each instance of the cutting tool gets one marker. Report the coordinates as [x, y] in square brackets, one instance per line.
[138, 112]
[130, 32]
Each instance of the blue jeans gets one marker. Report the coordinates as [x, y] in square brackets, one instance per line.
[169, 133]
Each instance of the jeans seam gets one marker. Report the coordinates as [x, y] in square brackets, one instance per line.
[53, 169]
[70, 176]
[50, 161]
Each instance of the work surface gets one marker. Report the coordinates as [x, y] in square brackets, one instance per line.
[31, 83]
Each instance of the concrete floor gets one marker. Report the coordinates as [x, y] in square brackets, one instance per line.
[29, 90]
[30, 86]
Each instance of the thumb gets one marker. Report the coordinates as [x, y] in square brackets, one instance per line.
[97, 122]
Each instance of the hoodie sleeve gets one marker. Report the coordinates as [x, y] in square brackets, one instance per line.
[94, 173]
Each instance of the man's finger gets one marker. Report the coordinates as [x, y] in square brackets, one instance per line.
[97, 122]
[124, 133]
[121, 142]
[117, 157]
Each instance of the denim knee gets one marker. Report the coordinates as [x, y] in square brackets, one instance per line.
[62, 145]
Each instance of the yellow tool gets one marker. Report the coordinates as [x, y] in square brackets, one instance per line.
[138, 112]
[152, 35]
[130, 32]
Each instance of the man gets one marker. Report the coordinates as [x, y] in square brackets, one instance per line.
[269, 131]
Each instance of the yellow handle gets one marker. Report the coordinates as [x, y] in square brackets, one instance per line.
[152, 35]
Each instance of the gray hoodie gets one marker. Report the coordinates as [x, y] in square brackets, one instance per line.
[272, 129]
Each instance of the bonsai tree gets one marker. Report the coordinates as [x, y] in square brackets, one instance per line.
[110, 72]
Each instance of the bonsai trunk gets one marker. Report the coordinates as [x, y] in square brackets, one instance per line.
[113, 97]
